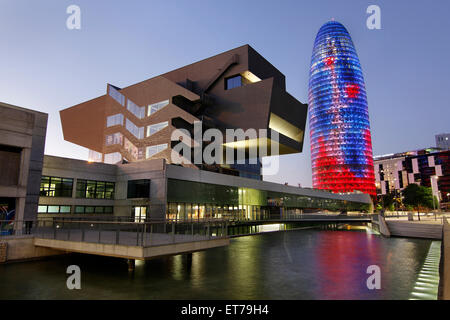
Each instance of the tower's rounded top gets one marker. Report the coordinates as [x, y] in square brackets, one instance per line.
[332, 29]
[332, 22]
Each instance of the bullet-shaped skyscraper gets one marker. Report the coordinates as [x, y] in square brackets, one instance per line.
[341, 144]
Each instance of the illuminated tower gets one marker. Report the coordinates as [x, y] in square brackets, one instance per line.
[341, 146]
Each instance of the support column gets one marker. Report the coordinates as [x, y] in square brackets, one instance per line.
[131, 264]
[188, 261]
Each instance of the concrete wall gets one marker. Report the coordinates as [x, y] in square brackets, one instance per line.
[24, 129]
[379, 224]
[22, 248]
[120, 174]
[153, 170]
[76, 169]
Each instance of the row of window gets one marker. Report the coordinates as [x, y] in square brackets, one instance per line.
[139, 112]
[117, 138]
[78, 209]
[137, 153]
[90, 189]
[56, 187]
[62, 187]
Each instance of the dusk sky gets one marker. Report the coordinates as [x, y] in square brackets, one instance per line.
[47, 67]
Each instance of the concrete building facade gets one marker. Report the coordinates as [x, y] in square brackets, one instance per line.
[427, 167]
[156, 190]
[234, 89]
[22, 142]
[443, 141]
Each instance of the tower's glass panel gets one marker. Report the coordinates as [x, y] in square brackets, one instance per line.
[341, 146]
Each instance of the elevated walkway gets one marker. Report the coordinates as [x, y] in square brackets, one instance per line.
[137, 241]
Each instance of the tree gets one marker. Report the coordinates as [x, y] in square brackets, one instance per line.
[387, 201]
[418, 197]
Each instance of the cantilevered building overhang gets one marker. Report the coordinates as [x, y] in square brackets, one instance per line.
[235, 89]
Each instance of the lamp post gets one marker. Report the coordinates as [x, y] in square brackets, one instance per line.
[435, 192]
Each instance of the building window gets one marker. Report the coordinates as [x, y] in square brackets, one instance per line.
[152, 129]
[116, 95]
[233, 82]
[138, 189]
[134, 130]
[114, 120]
[94, 156]
[152, 150]
[95, 189]
[157, 106]
[139, 213]
[135, 109]
[113, 158]
[93, 209]
[56, 187]
[115, 138]
[53, 209]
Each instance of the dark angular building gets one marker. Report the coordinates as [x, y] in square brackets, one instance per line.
[235, 89]
[341, 146]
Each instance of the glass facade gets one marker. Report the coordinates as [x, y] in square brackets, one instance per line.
[157, 106]
[138, 189]
[53, 209]
[113, 158]
[152, 150]
[93, 209]
[152, 129]
[139, 213]
[116, 95]
[56, 187]
[341, 147]
[134, 129]
[115, 138]
[233, 82]
[95, 189]
[189, 200]
[135, 109]
[114, 120]
[94, 156]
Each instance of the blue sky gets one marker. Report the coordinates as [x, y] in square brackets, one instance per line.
[47, 67]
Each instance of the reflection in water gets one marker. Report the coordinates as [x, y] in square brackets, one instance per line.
[306, 264]
[342, 259]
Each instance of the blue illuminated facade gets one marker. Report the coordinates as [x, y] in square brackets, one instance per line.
[341, 145]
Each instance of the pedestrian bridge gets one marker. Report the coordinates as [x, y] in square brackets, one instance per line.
[145, 240]
[129, 240]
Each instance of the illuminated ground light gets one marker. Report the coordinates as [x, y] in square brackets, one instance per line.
[427, 284]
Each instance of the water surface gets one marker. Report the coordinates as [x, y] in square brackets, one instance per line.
[305, 264]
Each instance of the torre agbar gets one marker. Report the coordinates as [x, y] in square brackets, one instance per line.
[341, 147]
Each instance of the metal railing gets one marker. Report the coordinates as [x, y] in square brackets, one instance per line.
[17, 227]
[437, 217]
[141, 234]
[124, 230]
